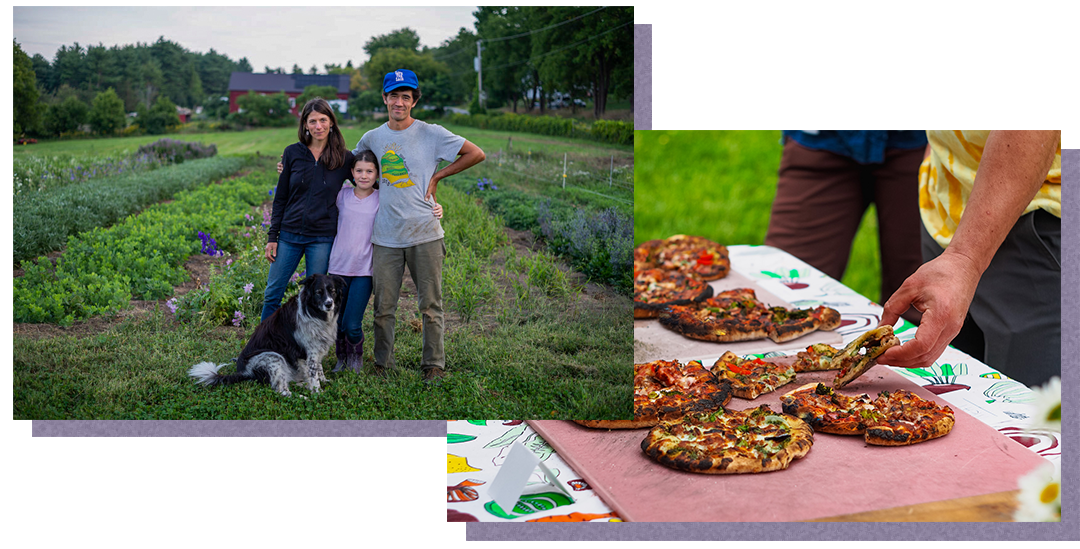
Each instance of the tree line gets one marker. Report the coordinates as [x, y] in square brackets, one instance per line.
[531, 58]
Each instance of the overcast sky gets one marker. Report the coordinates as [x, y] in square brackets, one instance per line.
[267, 36]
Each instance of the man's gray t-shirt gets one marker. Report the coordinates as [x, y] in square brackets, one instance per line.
[407, 160]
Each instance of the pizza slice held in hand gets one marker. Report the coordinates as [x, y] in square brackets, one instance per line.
[853, 360]
[862, 354]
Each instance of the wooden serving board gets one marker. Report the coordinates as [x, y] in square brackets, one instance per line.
[841, 475]
[655, 342]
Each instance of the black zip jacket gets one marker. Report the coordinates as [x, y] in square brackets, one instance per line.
[305, 201]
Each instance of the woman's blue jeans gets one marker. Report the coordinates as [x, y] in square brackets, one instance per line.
[291, 248]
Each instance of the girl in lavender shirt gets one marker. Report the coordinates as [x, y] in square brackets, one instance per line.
[351, 255]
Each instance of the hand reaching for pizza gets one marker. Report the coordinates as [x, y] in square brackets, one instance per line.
[942, 290]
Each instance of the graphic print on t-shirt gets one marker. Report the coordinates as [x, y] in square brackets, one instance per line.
[394, 171]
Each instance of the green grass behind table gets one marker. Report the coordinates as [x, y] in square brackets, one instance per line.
[721, 185]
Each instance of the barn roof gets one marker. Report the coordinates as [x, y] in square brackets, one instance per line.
[273, 83]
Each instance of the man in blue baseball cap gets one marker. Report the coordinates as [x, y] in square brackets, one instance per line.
[406, 233]
[401, 78]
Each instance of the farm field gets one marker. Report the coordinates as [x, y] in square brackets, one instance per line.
[527, 334]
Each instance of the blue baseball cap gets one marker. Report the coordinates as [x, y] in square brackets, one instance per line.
[401, 78]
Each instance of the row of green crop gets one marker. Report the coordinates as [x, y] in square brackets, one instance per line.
[36, 173]
[43, 224]
[141, 257]
[596, 241]
[604, 131]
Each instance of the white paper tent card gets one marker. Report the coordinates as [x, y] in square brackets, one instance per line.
[509, 484]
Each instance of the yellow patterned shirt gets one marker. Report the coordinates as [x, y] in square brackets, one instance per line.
[946, 177]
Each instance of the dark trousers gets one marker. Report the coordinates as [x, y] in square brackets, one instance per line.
[1014, 321]
[821, 198]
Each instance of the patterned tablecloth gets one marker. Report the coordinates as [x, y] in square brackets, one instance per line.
[476, 448]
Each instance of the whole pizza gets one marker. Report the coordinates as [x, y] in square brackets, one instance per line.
[896, 418]
[729, 442]
[688, 254]
[666, 390]
[655, 289]
[737, 315]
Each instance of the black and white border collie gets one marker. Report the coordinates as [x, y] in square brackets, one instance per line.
[290, 344]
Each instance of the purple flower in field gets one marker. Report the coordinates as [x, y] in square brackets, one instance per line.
[485, 184]
[209, 245]
[248, 235]
[171, 304]
[238, 318]
[247, 217]
[228, 262]
[248, 287]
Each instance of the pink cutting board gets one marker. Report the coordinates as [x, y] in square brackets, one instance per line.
[840, 474]
[652, 341]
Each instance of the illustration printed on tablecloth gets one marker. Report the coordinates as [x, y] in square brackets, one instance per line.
[939, 379]
[1008, 390]
[529, 504]
[791, 280]
[533, 442]
[458, 464]
[579, 517]
[463, 491]
[1042, 442]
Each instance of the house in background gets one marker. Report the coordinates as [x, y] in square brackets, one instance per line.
[241, 83]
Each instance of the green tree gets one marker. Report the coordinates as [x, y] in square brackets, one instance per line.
[328, 93]
[389, 59]
[107, 113]
[25, 95]
[405, 39]
[263, 110]
[66, 116]
[160, 117]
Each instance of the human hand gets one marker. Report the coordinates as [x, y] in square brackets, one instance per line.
[271, 251]
[437, 210]
[432, 186]
[941, 290]
[280, 165]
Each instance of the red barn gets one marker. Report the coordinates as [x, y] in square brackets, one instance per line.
[240, 83]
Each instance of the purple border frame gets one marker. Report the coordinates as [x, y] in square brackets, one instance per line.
[642, 77]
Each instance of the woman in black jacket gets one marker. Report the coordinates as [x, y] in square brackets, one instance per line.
[304, 220]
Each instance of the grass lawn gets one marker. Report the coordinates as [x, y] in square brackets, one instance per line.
[721, 185]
